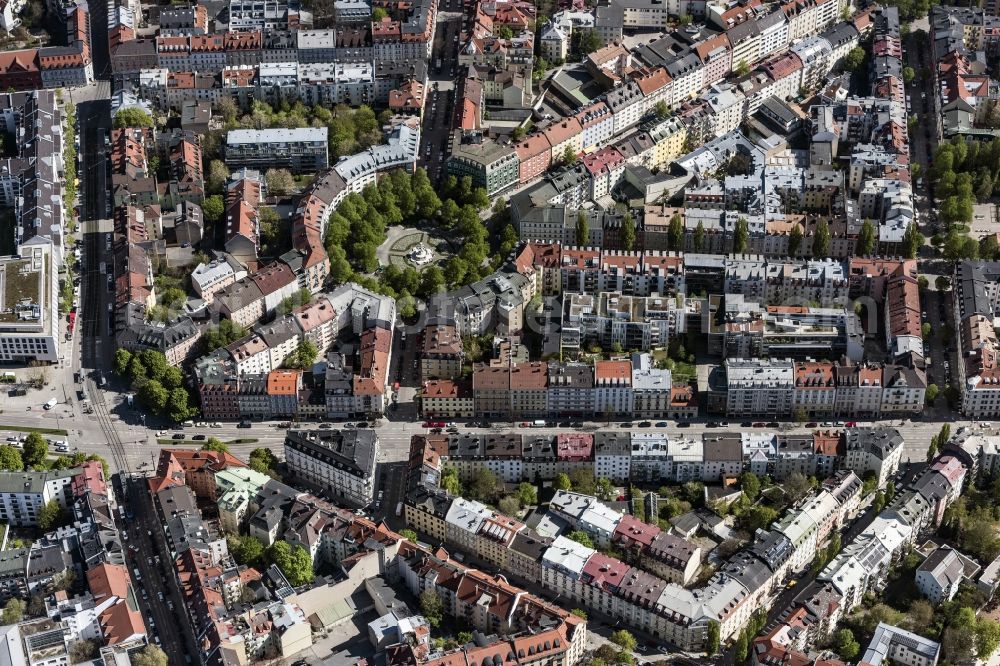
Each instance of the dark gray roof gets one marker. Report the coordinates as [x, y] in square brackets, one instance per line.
[772, 548]
[351, 450]
[877, 441]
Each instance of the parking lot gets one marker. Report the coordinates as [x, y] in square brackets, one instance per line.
[985, 220]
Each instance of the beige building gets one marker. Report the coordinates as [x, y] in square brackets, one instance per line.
[529, 389]
[447, 399]
[491, 390]
[440, 353]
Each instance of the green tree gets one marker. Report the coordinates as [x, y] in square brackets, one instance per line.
[987, 637]
[699, 237]
[821, 239]
[624, 639]
[132, 117]
[740, 648]
[931, 393]
[661, 109]
[13, 611]
[605, 490]
[581, 537]
[794, 240]
[409, 535]
[449, 481]
[122, 359]
[153, 395]
[561, 482]
[845, 645]
[294, 562]
[750, 485]
[579, 612]
[508, 506]
[988, 247]
[527, 494]
[912, 240]
[866, 239]
[741, 69]
[177, 408]
[51, 516]
[908, 75]
[35, 449]
[431, 607]
[432, 279]
[246, 549]
[378, 14]
[589, 42]
[582, 230]
[879, 502]
[213, 208]
[675, 233]
[712, 640]
[155, 363]
[741, 236]
[223, 335]
[214, 444]
[942, 283]
[263, 460]
[10, 459]
[628, 232]
[484, 485]
[136, 370]
[757, 517]
[854, 59]
[151, 655]
[569, 155]
[305, 354]
[218, 175]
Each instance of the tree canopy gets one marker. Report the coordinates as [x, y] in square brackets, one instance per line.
[132, 117]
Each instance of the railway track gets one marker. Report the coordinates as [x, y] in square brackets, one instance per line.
[94, 316]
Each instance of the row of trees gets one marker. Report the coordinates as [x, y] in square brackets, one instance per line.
[964, 173]
[157, 384]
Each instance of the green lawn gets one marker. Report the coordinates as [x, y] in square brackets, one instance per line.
[40, 431]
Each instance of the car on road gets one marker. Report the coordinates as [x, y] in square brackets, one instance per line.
[645, 424]
[811, 424]
[684, 424]
[327, 426]
[216, 425]
[627, 424]
[178, 436]
[661, 424]
[243, 424]
[200, 438]
[759, 424]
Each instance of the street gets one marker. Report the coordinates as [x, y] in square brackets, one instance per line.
[149, 555]
[440, 105]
